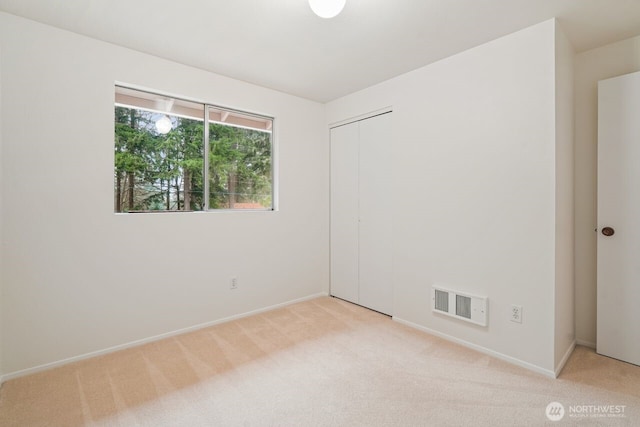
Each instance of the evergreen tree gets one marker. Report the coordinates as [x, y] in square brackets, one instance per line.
[166, 172]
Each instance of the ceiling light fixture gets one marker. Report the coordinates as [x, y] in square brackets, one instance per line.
[164, 125]
[327, 8]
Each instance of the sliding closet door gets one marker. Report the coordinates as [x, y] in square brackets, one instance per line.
[361, 213]
[344, 212]
[375, 234]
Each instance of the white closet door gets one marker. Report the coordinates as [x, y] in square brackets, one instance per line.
[618, 318]
[344, 212]
[375, 234]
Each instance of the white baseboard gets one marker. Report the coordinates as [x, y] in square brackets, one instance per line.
[565, 358]
[586, 343]
[497, 355]
[136, 343]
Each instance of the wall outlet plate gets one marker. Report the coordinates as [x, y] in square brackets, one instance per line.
[516, 313]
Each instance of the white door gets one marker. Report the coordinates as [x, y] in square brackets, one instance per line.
[376, 290]
[618, 333]
[361, 213]
[344, 213]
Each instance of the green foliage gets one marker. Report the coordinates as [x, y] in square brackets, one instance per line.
[239, 166]
[165, 172]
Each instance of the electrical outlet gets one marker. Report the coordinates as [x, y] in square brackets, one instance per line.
[234, 283]
[516, 313]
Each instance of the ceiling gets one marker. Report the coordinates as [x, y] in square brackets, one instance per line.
[282, 45]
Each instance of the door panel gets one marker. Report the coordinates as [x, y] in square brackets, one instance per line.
[344, 212]
[618, 320]
[376, 288]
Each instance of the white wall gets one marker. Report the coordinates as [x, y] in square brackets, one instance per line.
[564, 293]
[1, 220]
[475, 189]
[77, 278]
[609, 61]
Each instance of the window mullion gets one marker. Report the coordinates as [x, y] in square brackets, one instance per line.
[205, 174]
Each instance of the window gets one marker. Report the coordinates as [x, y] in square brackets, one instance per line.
[169, 158]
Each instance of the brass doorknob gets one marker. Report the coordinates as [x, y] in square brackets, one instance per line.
[608, 231]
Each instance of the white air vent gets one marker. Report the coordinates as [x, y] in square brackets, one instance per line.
[460, 305]
[441, 299]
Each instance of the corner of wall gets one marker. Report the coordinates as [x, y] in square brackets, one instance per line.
[1, 226]
[564, 306]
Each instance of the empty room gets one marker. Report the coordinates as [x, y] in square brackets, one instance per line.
[319, 212]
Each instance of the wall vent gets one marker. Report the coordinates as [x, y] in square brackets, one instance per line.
[460, 305]
[441, 300]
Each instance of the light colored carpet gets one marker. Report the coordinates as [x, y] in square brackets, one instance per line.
[323, 362]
